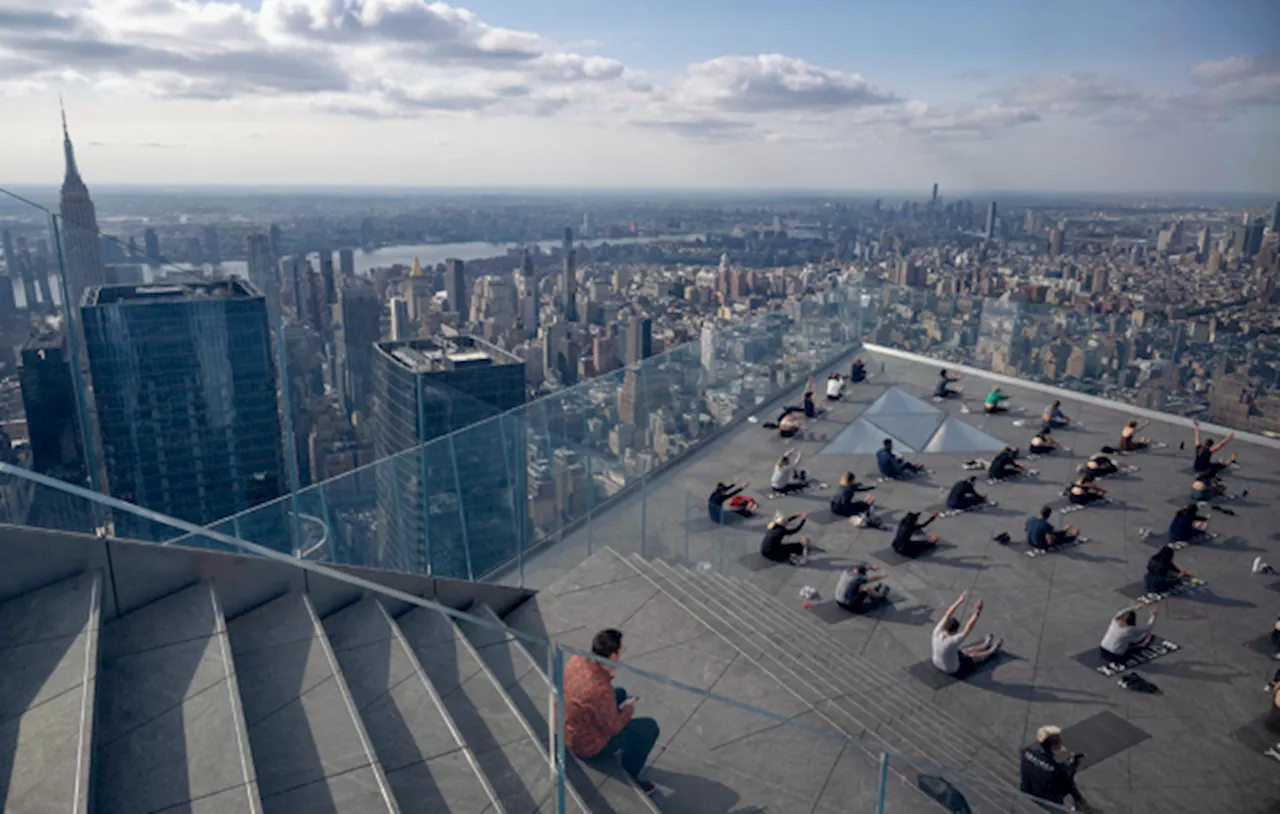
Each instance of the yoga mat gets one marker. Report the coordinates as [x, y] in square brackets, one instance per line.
[891, 557]
[1137, 591]
[1101, 736]
[1256, 737]
[1092, 658]
[1057, 549]
[935, 679]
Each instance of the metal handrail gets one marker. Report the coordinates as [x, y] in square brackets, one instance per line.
[488, 624]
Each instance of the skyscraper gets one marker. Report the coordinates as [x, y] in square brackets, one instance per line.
[933, 200]
[1275, 217]
[262, 272]
[49, 398]
[152, 244]
[360, 329]
[347, 263]
[212, 250]
[460, 513]
[277, 240]
[185, 390]
[326, 275]
[455, 286]
[81, 251]
[569, 279]
[991, 220]
[639, 340]
[401, 329]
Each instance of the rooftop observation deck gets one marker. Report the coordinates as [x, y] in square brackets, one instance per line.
[1049, 609]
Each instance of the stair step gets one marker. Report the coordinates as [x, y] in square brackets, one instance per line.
[604, 789]
[801, 631]
[310, 748]
[428, 766]
[168, 701]
[49, 643]
[505, 746]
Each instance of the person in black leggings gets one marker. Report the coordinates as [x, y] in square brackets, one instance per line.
[1205, 465]
[905, 541]
[775, 547]
[1163, 574]
[1084, 491]
[846, 502]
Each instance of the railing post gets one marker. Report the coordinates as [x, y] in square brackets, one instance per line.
[591, 501]
[884, 781]
[559, 729]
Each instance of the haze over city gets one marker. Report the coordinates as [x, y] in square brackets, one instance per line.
[1085, 96]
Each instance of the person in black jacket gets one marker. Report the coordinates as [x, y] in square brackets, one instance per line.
[775, 547]
[724, 503]
[857, 371]
[846, 502]
[1163, 574]
[1004, 466]
[905, 541]
[964, 496]
[1048, 777]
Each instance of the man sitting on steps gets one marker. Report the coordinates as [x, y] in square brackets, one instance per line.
[949, 653]
[598, 720]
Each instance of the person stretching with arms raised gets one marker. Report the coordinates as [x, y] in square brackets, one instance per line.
[949, 653]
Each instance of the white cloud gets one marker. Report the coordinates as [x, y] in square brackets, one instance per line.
[773, 82]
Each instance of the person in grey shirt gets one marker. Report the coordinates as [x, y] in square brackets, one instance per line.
[949, 653]
[1125, 635]
[857, 589]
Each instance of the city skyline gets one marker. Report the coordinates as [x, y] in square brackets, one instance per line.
[498, 94]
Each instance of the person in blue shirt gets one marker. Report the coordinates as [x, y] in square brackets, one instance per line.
[944, 389]
[1054, 418]
[892, 466]
[1042, 535]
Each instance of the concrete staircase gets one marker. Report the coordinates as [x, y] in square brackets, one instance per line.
[177, 706]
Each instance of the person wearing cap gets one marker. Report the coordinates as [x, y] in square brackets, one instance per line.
[994, 401]
[1049, 770]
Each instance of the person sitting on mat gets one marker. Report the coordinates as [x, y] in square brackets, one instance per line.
[905, 541]
[1048, 772]
[949, 653]
[1205, 489]
[1125, 636]
[1085, 491]
[1042, 535]
[964, 496]
[1205, 465]
[944, 389]
[857, 372]
[787, 476]
[726, 500]
[857, 589]
[994, 403]
[789, 425]
[846, 502]
[1187, 525]
[1054, 418]
[1100, 465]
[1042, 444]
[892, 466]
[1004, 466]
[1163, 574]
[1275, 636]
[775, 547]
[1129, 438]
[806, 405]
[835, 386]
[1272, 721]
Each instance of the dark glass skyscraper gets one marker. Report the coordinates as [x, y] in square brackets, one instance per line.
[185, 391]
[457, 507]
[569, 279]
[49, 399]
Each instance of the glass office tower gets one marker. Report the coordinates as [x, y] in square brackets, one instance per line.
[185, 389]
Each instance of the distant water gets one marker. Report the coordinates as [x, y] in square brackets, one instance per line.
[428, 254]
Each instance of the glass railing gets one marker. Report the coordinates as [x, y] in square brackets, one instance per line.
[728, 761]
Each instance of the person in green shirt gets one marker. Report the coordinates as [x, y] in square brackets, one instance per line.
[994, 401]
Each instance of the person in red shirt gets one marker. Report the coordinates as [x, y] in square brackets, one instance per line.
[598, 720]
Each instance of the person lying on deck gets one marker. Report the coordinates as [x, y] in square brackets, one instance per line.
[995, 401]
[1100, 465]
[1042, 535]
[949, 653]
[789, 425]
[775, 547]
[1125, 636]
[906, 540]
[726, 500]
[1163, 574]
[846, 502]
[858, 590]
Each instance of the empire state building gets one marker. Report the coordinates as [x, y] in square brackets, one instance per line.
[81, 251]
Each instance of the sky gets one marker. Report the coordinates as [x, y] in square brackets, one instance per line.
[1083, 95]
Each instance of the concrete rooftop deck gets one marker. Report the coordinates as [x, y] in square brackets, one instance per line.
[1048, 608]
